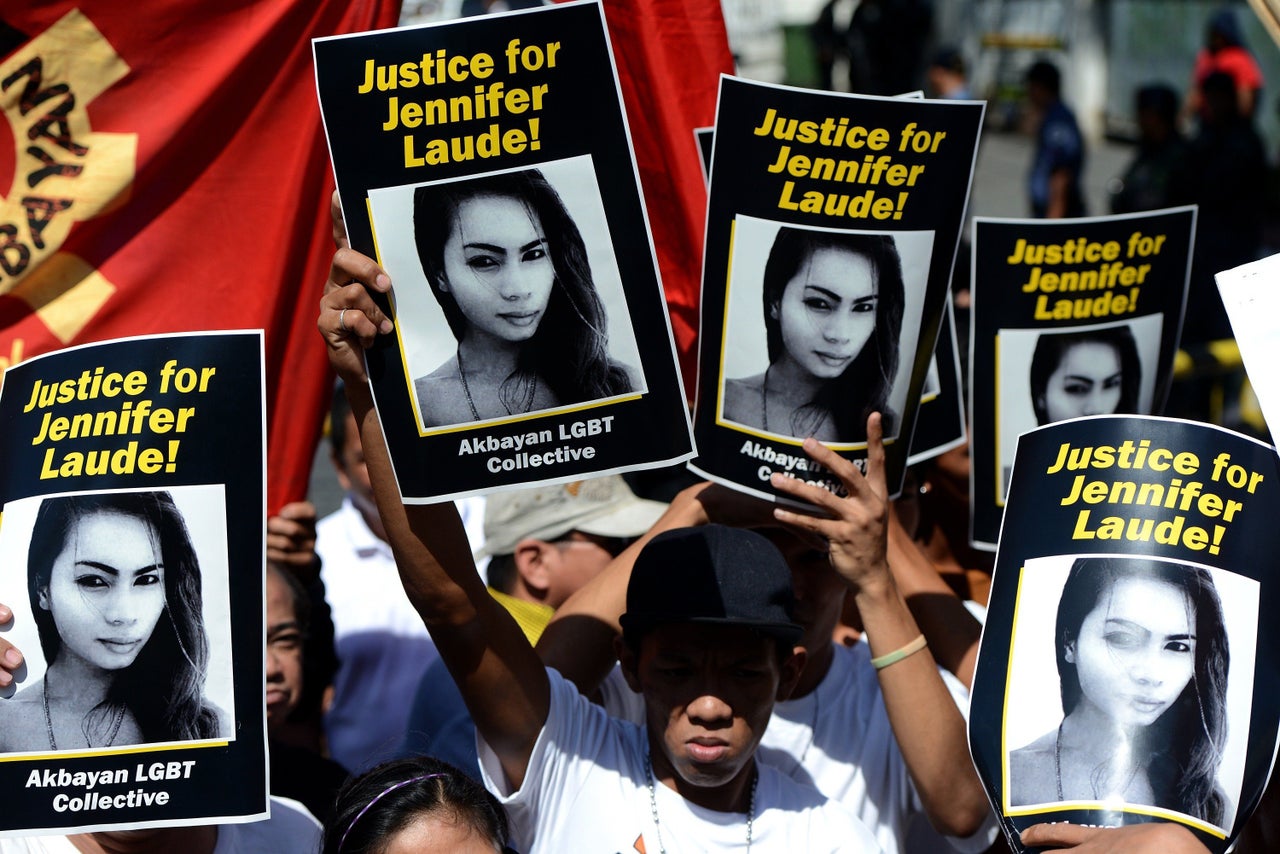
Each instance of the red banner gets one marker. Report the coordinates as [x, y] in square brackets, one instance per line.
[670, 55]
[164, 170]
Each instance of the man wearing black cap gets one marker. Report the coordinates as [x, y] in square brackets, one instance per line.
[710, 667]
[873, 725]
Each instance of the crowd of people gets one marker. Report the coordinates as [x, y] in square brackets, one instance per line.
[579, 667]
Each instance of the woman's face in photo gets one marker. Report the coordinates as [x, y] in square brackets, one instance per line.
[828, 311]
[498, 267]
[1088, 381]
[106, 590]
[1136, 650]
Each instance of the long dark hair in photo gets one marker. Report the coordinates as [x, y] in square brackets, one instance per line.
[569, 352]
[374, 806]
[1185, 743]
[164, 687]
[1052, 348]
[864, 386]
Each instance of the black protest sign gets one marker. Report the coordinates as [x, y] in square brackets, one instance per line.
[1070, 318]
[831, 232]
[1124, 675]
[486, 163]
[940, 426]
[132, 477]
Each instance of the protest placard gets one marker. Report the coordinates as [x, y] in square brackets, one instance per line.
[131, 552]
[1252, 301]
[831, 233]
[486, 164]
[1070, 317]
[940, 427]
[1123, 674]
[940, 424]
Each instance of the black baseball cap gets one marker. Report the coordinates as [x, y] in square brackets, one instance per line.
[711, 574]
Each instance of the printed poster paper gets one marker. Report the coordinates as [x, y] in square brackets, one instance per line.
[1124, 675]
[487, 164]
[131, 552]
[824, 207]
[1070, 318]
[1253, 306]
[941, 426]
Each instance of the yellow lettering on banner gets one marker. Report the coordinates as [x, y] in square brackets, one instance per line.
[1179, 496]
[64, 172]
[127, 460]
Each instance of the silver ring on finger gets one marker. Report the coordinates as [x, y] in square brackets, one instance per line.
[342, 320]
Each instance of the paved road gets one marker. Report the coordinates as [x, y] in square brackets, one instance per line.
[1000, 185]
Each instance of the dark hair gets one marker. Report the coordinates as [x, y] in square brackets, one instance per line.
[569, 351]
[164, 686]
[298, 597]
[949, 58]
[1052, 348]
[501, 572]
[379, 803]
[1223, 23]
[864, 386]
[1046, 74]
[1219, 93]
[1161, 99]
[1185, 743]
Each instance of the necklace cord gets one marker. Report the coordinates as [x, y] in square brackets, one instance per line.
[653, 805]
[116, 720]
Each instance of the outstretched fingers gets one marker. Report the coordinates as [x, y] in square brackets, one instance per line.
[858, 485]
[339, 224]
[875, 455]
[855, 525]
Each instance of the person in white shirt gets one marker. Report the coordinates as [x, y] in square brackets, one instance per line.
[711, 662]
[880, 732]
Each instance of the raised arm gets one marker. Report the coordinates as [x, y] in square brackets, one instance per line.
[952, 631]
[501, 679]
[929, 728]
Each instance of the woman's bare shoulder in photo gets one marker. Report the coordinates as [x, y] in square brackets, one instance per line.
[742, 400]
[442, 398]
[22, 722]
[1031, 774]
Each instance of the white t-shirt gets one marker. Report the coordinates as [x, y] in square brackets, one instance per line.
[289, 830]
[839, 739]
[586, 790]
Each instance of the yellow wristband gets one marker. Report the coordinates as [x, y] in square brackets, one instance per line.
[897, 655]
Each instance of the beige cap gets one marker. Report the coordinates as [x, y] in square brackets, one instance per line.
[603, 506]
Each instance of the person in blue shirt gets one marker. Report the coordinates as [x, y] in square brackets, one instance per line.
[1054, 181]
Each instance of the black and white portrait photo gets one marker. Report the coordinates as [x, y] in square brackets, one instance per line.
[820, 329]
[120, 604]
[1129, 687]
[1050, 376]
[507, 294]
